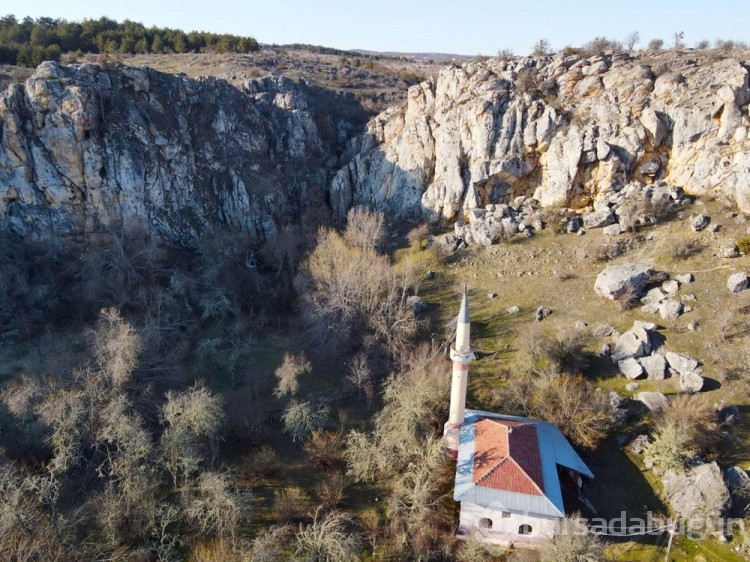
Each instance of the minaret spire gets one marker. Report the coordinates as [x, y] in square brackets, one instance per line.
[461, 355]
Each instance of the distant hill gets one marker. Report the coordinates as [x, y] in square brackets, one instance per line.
[435, 57]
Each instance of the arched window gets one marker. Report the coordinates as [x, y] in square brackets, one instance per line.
[485, 523]
[524, 530]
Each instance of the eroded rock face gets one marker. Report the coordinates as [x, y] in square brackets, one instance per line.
[566, 130]
[88, 150]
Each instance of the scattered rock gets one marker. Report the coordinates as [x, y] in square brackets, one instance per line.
[700, 222]
[626, 346]
[416, 303]
[598, 219]
[737, 282]
[603, 330]
[738, 484]
[630, 368]
[654, 401]
[692, 326]
[699, 492]
[618, 279]
[614, 400]
[729, 250]
[684, 278]
[648, 326]
[654, 297]
[631, 386]
[430, 275]
[637, 444]
[730, 415]
[612, 230]
[542, 312]
[605, 350]
[491, 295]
[513, 310]
[670, 286]
[655, 366]
[691, 382]
[670, 309]
[580, 325]
[681, 363]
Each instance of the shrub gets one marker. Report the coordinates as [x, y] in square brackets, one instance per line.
[330, 490]
[683, 249]
[573, 405]
[669, 450]
[325, 448]
[290, 504]
[573, 545]
[695, 418]
[655, 44]
[302, 418]
[417, 236]
[744, 245]
[327, 538]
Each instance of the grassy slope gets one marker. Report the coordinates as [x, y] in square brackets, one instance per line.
[558, 271]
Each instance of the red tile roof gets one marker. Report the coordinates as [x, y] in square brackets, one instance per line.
[506, 456]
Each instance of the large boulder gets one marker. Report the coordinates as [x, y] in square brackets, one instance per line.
[671, 309]
[698, 492]
[616, 280]
[598, 219]
[627, 345]
[655, 366]
[691, 382]
[654, 401]
[737, 282]
[681, 363]
[630, 368]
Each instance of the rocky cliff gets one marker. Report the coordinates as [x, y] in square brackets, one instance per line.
[564, 129]
[87, 150]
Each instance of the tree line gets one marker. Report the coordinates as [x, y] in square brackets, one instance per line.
[29, 42]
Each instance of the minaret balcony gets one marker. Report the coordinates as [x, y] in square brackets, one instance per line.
[463, 356]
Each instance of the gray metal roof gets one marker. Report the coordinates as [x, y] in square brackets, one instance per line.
[554, 450]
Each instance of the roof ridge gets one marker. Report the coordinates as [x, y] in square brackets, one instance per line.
[484, 476]
[527, 475]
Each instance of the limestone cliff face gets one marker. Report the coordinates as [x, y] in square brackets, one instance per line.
[85, 150]
[563, 129]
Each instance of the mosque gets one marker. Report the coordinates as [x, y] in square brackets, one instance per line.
[511, 472]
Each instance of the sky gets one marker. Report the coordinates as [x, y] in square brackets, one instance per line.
[467, 27]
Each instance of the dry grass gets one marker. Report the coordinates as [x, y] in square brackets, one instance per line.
[558, 271]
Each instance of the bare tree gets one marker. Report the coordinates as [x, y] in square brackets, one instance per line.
[542, 48]
[116, 347]
[291, 368]
[327, 538]
[350, 291]
[364, 229]
[678, 37]
[217, 507]
[360, 376]
[192, 419]
[302, 418]
[632, 39]
[702, 45]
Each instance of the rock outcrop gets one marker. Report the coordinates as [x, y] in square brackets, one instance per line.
[565, 130]
[87, 150]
